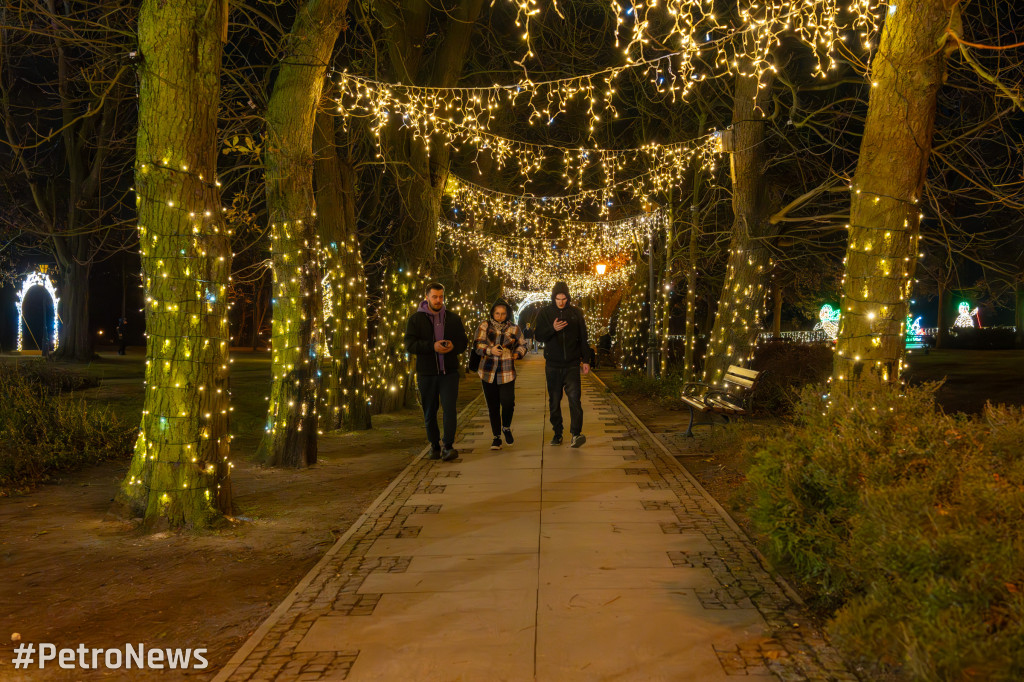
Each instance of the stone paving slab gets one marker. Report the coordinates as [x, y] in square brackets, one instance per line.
[541, 563]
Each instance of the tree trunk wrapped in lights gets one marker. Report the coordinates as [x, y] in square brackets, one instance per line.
[690, 331]
[738, 321]
[291, 429]
[180, 469]
[420, 174]
[882, 251]
[343, 389]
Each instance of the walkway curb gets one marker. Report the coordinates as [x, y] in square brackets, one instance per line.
[256, 637]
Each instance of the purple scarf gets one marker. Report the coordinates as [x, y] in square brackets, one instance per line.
[437, 320]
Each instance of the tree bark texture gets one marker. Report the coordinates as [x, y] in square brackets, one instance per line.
[942, 318]
[882, 250]
[292, 416]
[665, 291]
[180, 470]
[75, 341]
[344, 364]
[738, 321]
[1018, 312]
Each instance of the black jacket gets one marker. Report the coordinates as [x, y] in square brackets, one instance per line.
[419, 340]
[570, 346]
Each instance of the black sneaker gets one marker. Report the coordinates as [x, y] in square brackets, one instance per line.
[556, 439]
[508, 435]
[496, 443]
[435, 452]
[578, 440]
[448, 454]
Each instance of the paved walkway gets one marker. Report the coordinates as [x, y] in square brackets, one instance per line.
[541, 563]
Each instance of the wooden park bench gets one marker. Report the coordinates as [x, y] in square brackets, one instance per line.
[732, 400]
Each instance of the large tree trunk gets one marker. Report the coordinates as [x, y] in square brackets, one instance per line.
[942, 317]
[780, 295]
[881, 254]
[420, 177]
[344, 396]
[291, 431]
[1018, 317]
[75, 341]
[738, 321]
[665, 291]
[180, 471]
[690, 331]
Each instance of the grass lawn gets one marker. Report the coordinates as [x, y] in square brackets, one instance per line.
[972, 377]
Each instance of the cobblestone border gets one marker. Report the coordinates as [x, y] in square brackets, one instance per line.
[794, 651]
[331, 586]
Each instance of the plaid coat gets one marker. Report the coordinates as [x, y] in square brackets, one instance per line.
[513, 347]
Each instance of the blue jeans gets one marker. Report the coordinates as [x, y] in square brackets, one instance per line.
[565, 379]
[441, 390]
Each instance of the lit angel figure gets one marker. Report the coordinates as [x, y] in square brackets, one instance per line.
[829, 321]
[965, 319]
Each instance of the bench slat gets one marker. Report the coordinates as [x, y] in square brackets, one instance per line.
[697, 404]
[720, 405]
[742, 371]
[739, 381]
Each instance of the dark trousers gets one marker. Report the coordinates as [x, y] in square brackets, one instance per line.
[565, 379]
[439, 391]
[501, 404]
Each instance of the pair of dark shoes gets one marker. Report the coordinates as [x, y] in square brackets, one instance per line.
[445, 454]
[496, 443]
[577, 440]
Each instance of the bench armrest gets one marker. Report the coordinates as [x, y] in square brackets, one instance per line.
[695, 388]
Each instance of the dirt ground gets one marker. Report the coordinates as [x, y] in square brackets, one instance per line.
[72, 573]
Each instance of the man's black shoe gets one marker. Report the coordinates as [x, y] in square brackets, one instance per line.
[508, 435]
[496, 443]
[578, 440]
[556, 439]
[448, 454]
[435, 452]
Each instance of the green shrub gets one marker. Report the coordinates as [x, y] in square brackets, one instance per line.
[788, 368]
[666, 389]
[54, 380]
[43, 431]
[909, 523]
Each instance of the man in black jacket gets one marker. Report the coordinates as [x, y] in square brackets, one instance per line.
[437, 337]
[564, 332]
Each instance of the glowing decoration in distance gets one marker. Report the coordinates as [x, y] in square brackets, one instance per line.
[601, 267]
[39, 278]
[964, 319]
[531, 298]
[915, 335]
[828, 321]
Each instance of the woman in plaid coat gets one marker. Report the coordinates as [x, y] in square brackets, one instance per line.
[500, 343]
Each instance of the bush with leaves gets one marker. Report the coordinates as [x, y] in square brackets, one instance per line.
[788, 367]
[909, 524]
[43, 431]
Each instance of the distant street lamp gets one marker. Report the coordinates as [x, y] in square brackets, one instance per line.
[601, 267]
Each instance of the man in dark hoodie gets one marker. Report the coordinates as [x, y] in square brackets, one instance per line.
[562, 329]
[437, 338]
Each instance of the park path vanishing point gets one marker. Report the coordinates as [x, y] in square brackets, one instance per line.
[607, 562]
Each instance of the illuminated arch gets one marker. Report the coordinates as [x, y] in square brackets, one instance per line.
[530, 299]
[37, 279]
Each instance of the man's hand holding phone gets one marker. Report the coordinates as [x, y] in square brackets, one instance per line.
[443, 346]
[559, 325]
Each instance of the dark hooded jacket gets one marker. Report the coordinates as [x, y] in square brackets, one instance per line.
[567, 347]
